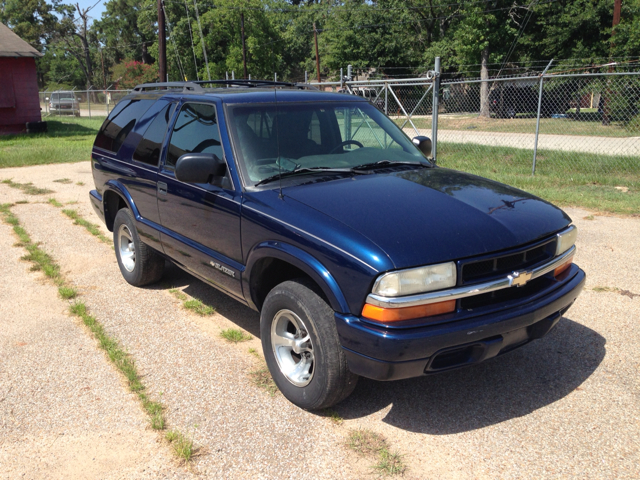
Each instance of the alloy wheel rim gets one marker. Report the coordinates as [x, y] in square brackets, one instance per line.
[292, 347]
[126, 248]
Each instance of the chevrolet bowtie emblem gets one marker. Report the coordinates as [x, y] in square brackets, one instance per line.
[519, 278]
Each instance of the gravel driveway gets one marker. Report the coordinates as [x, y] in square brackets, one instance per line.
[566, 406]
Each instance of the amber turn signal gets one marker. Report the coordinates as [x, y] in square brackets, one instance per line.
[387, 315]
[563, 268]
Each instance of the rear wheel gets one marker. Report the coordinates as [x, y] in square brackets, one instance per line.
[301, 346]
[139, 264]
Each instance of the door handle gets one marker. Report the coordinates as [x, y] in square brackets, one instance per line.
[162, 188]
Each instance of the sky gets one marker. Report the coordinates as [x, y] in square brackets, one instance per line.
[96, 12]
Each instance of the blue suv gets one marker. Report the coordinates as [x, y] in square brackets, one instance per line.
[362, 256]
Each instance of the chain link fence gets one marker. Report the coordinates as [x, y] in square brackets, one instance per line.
[79, 103]
[563, 125]
[583, 124]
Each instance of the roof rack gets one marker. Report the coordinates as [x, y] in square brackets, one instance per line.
[256, 83]
[184, 86]
[195, 86]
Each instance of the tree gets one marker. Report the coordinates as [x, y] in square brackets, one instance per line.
[130, 73]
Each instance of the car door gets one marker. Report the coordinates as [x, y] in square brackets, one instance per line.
[201, 222]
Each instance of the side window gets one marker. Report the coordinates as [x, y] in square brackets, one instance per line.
[120, 122]
[195, 131]
[148, 150]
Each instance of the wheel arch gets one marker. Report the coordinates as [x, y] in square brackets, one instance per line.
[271, 263]
[114, 198]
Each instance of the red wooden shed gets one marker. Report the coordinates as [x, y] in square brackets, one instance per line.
[19, 100]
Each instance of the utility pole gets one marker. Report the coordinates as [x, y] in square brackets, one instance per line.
[244, 48]
[315, 35]
[617, 7]
[162, 45]
[104, 77]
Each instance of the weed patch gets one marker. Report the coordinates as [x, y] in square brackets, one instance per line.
[92, 228]
[367, 443]
[193, 304]
[67, 292]
[390, 463]
[197, 307]
[63, 180]
[235, 335]
[27, 188]
[55, 203]
[333, 416]
[182, 445]
[262, 378]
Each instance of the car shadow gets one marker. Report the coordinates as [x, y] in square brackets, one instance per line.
[506, 387]
[226, 306]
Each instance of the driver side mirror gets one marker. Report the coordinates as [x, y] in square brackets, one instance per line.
[199, 167]
[423, 144]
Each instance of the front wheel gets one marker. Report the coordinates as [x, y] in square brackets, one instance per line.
[139, 264]
[301, 346]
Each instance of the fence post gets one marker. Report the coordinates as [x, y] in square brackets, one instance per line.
[434, 112]
[535, 142]
[386, 99]
[89, 100]
[341, 81]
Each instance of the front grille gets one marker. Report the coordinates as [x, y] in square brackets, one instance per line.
[480, 270]
[505, 295]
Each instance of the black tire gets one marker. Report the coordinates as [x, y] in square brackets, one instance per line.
[330, 381]
[147, 266]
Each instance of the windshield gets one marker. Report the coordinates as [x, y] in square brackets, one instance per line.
[63, 96]
[271, 140]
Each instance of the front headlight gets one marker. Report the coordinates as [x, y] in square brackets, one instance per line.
[416, 280]
[566, 239]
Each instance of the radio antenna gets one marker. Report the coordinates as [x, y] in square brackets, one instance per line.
[281, 196]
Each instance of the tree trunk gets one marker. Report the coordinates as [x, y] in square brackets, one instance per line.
[484, 86]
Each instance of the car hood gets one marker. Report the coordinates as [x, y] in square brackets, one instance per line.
[433, 215]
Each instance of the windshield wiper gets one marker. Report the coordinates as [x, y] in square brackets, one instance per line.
[387, 163]
[291, 173]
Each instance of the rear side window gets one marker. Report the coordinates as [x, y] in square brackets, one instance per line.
[120, 122]
[148, 150]
[195, 131]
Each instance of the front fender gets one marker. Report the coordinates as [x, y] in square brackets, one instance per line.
[302, 260]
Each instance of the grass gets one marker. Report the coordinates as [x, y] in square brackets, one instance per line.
[55, 203]
[235, 335]
[92, 228]
[367, 443]
[586, 125]
[67, 292]
[333, 416]
[197, 307]
[63, 180]
[182, 445]
[27, 188]
[193, 304]
[564, 178]
[262, 378]
[390, 463]
[123, 362]
[68, 140]
[254, 352]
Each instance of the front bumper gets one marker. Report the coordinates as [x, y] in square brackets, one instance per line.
[391, 354]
